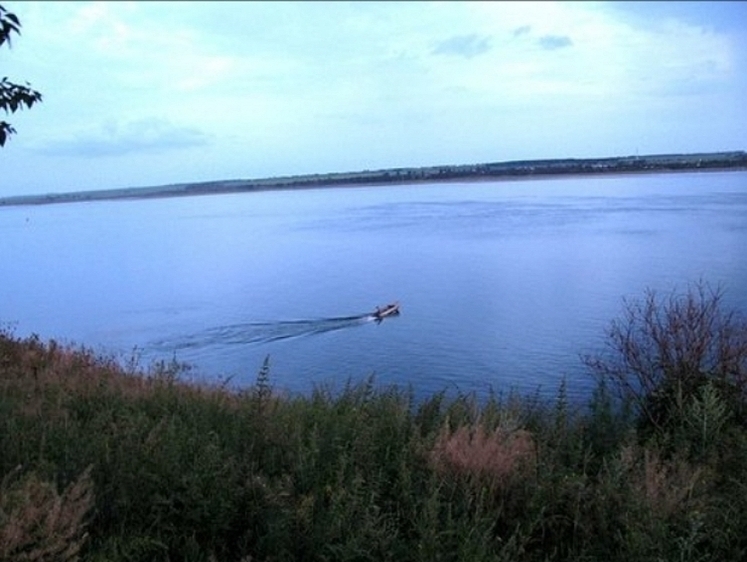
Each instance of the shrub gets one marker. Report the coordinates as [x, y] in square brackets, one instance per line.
[664, 350]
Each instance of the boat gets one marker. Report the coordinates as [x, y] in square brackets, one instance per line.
[391, 309]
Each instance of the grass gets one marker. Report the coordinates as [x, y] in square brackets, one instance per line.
[100, 462]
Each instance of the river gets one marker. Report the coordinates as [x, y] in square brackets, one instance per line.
[503, 285]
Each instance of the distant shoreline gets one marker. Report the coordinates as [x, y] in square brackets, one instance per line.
[498, 171]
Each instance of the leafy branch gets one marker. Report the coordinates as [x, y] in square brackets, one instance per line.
[12, 96]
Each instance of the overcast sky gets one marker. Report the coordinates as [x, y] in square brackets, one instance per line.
[152, 93]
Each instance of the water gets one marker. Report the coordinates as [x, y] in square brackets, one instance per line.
[502, 284]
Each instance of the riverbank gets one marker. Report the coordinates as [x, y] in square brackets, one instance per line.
[100, 462]
[514, 170]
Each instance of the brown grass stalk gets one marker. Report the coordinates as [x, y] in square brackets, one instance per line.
[38, 524]
[475, 451]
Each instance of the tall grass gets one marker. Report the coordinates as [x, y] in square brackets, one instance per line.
[100, 462]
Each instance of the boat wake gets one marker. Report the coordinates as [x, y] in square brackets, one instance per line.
[264, 332]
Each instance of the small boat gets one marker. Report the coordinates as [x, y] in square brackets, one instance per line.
[389, 310]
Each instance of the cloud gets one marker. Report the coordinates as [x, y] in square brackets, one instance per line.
[141, 136]
[553, 42]
[548, 42]
[381, 80]
[466, 46]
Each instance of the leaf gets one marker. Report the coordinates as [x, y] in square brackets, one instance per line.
[5, 131]
[12, 96]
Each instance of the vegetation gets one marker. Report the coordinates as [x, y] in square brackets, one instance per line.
[101, 462]
[714, 161]
[12, 96]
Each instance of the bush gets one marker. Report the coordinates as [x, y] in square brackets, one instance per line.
[121, 465]
[664, 351]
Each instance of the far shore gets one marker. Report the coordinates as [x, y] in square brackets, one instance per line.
[500, 171]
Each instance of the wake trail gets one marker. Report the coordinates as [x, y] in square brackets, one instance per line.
[264, 332]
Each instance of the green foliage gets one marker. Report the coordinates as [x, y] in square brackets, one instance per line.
[178, 471]
[12, 96]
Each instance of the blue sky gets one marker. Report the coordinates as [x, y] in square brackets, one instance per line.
[152, 93]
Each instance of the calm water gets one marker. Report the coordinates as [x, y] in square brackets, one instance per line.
[502, 284]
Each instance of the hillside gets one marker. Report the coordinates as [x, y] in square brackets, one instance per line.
[736, 160]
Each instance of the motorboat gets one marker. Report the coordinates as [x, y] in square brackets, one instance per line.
[391, 309]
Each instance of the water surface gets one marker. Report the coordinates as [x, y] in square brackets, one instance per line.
[502, 284]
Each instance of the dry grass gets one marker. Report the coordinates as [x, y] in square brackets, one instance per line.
[67, 371]
[474, 451]
[51, 365]
[38, 524]
[667, 487]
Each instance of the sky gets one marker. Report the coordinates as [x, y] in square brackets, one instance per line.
[155, 93]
